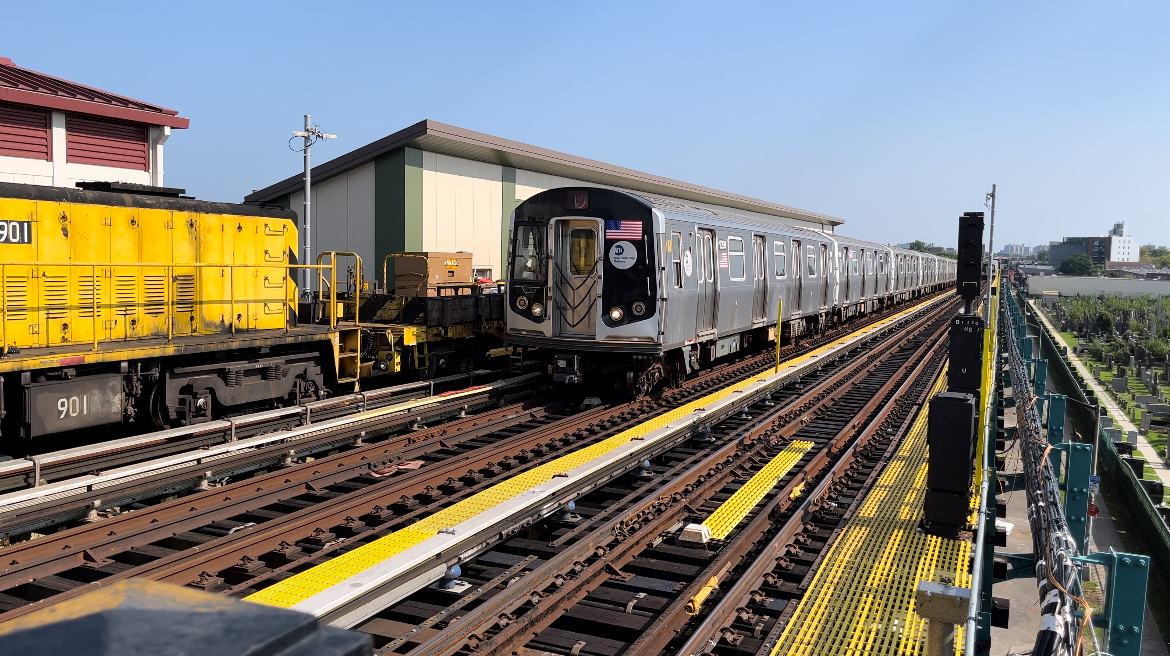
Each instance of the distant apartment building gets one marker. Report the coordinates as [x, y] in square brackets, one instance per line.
[56, 132]
[1117, 246]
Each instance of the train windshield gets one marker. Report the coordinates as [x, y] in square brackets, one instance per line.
[528, 257]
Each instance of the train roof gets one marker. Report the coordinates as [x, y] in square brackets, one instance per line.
[675, 207]
[139, 200]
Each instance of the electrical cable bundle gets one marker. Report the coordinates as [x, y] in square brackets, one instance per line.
[1057, 577]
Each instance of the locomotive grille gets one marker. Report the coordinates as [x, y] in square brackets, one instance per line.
[56, 297]
[126, 294]
[185, 292]
[16, 298]
[85, 295]
[155, 292]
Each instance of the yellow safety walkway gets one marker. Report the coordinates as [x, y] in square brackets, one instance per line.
[861, 600]
[727, 516]
[300, 587]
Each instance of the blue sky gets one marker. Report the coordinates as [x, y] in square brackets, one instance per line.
[894, 116]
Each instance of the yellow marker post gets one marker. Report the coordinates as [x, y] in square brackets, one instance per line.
[779, 329]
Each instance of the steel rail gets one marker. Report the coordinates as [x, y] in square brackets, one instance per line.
[67, 500]
[79, 552]
[390, 588]
[719, 618]
[576, 581]
[660, 634]
[59, 551]
[72, 549]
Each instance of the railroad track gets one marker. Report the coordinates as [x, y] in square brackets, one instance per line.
[42, 467]
[621, 581]
[272, 525]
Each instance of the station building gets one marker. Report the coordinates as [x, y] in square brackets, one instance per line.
[56, 132]
[438, 188]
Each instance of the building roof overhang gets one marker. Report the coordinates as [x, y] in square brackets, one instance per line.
[436, 137]
[27, 87]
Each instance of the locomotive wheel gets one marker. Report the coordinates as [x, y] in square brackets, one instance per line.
[154, 404]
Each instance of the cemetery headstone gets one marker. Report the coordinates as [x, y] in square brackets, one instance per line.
[1159, 409]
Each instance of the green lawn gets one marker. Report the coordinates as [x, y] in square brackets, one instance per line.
[1069, 338]
[1156, 437]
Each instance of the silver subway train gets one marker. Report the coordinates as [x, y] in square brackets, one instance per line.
[640, 289]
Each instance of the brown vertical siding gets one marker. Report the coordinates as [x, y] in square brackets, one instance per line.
[25, 132]
[106, 143]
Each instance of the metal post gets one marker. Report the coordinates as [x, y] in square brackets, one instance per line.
[308, 207]
[1125, 599]
[990, 256]
[779, 329]
[311, 134]
[1076, 492]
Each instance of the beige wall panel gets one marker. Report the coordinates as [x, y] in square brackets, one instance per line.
[461, 208]
[529, 184]
[464, 225]
[343, 217]
[486, 213]
[361, 219]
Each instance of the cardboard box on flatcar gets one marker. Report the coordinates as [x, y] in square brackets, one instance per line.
[419, 270]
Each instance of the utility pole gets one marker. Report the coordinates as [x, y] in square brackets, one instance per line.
[987, 315]
[312, 134]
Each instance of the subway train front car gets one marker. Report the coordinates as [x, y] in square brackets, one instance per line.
[583, 285]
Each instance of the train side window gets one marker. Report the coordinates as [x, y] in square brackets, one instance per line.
[869, 264]
[852, 263]
[811, 260]
[781, 268]
[528, 259]
[735, 254]
[675, 248]
[708, 259]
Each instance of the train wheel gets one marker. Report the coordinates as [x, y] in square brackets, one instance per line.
[158, 415]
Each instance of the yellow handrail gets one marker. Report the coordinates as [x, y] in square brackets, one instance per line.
[357, 286]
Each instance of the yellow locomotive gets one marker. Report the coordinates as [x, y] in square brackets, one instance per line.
[131, 305]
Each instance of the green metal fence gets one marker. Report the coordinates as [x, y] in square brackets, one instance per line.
[1083, 412]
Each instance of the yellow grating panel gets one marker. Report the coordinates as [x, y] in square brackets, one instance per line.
[727, 516]
[300, 587]
[861, 601]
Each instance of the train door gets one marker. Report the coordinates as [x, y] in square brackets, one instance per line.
[760, 267]
[575, 277]
[797, 280]
[826, 263]
[707, 293]
[851, 269]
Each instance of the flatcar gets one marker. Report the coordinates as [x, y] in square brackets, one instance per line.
[130, 308]
[639, 289]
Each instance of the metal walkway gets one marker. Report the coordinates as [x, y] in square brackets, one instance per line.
[731, 512]
[861, 600]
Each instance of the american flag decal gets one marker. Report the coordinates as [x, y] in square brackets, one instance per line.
[623, 230]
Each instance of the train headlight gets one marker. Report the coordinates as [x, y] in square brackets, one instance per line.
[537, 309]
[616, 314]
[522, 302]
[639, 308]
